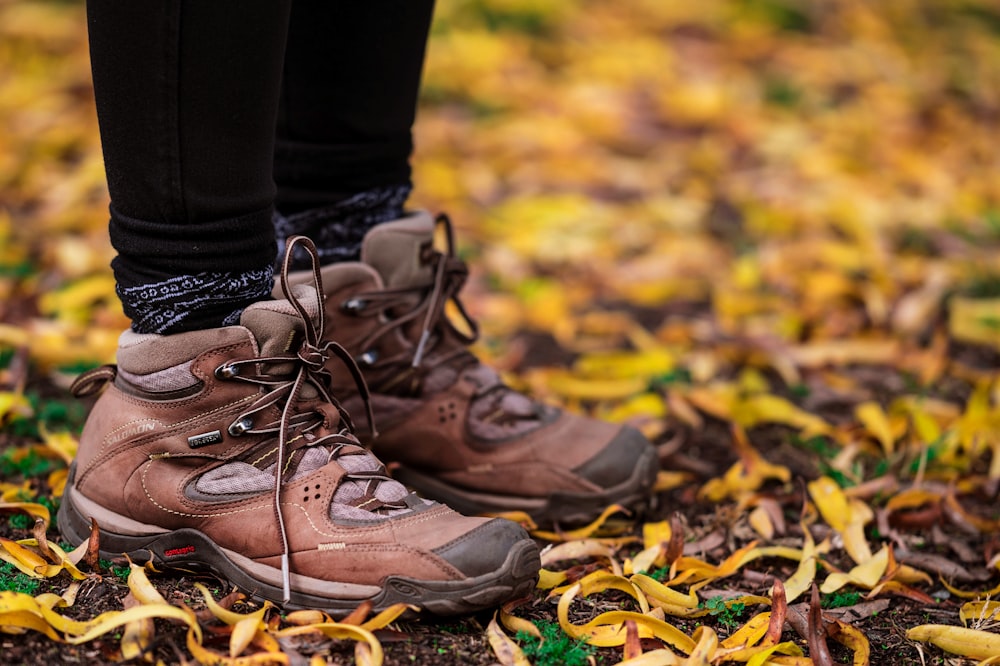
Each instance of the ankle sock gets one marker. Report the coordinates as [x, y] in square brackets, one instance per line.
[193, 302]
[338, 229]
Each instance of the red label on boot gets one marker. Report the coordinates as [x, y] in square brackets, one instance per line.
[174, 552]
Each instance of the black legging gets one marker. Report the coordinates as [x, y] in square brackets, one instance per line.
[189, 93]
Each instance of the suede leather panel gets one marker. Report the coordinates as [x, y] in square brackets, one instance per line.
[394, 250]
[171, 350]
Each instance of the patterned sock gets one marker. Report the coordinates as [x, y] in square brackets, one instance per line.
[194, 302]
[338, 229]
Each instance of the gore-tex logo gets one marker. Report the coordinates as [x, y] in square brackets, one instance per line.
[174, 552]
[205, 439]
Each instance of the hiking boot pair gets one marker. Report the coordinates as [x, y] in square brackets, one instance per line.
[225, 449]
[228, 448]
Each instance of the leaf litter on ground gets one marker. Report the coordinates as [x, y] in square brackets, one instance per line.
[767, 234]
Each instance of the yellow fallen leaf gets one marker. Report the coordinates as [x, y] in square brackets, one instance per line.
[27, 561]
[339, 631]
[748, 634]
[549, 579]
[571, 386]
[846, 516]
[112, 620]
[805, 573]
[864, 575]
[507, 651]
[10, 492]
[763, 655]
[584, 532]
[140, 586]
[607, 629]
[963, 594]
[657, 533]
[387, 617]
[766, 408]
[874, 419]
[706, 644]
[580, 549]
[208, 657]
[600, 581]
[658, 657]
[668, 480]
[137, 636]
[242, 634]
[519, 517]
[64, 563]
[661, 595]
[14, 622]
[912, 498]
[760, 521]
[979, 612]
[304, 617]
[693, 570]
[964, 642]
[626, 365]
[31, 508]
[229, 617]
[975, 320]
[14, 406]
[74, 301]
[61, 443]
[853, 639]
[57, 481]
[517, 624]
[745, 476]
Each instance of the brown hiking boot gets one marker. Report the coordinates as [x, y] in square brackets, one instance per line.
[224, 449]
[455, 432]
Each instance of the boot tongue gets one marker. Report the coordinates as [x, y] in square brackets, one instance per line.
[394, 249]
[276, 325]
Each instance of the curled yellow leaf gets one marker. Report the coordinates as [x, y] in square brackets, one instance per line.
[507, 651]
[972, 643]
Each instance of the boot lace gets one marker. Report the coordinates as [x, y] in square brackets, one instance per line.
[299, 384]
[403, 307]
[497, 412]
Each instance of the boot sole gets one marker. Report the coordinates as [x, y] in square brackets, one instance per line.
[561, 507]
[189, 549]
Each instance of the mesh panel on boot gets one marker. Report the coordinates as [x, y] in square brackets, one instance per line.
[240, 477]
[176, 378]
[498, 413]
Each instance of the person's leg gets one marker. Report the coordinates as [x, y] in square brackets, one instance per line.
[220, 446]
[453, 429]
[187, 101]
[348, 101]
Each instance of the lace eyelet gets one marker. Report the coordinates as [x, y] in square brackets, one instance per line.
[226, 371]
[354, 305]
[240, 427]
[369, 358]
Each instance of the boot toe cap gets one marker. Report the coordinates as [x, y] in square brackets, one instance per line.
[485, 549]
[616, 463]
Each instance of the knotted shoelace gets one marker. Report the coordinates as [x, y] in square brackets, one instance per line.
[284, 379]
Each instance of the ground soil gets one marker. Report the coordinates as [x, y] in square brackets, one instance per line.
[706, 454]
